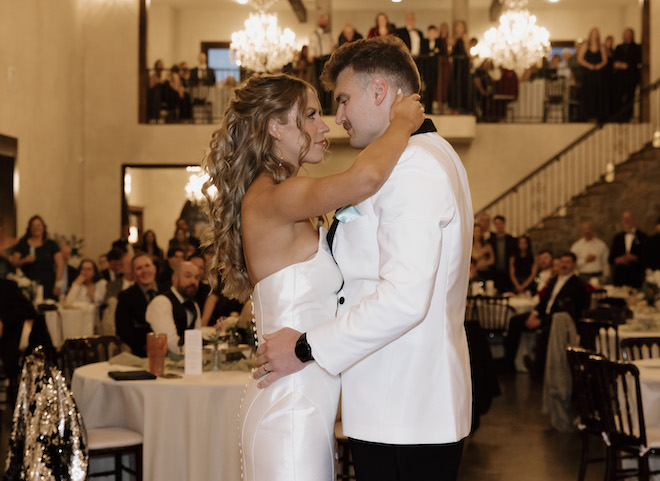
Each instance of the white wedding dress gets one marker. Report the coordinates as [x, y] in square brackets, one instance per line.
[287, 429]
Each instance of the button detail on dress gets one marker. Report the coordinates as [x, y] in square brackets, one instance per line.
[341, 300]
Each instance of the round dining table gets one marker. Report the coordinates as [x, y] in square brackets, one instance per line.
[70, 322]
[189, 424]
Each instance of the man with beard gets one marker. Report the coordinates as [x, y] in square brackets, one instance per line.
[175, 310]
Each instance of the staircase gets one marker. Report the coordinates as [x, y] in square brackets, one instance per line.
[574, 181]
[634, 186]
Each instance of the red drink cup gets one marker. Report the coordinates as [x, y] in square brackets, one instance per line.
[156, 352]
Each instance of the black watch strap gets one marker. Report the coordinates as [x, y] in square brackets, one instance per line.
[303, 349]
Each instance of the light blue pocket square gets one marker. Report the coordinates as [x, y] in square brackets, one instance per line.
[347, 214]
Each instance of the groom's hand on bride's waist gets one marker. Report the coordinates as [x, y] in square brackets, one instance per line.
[276, 357]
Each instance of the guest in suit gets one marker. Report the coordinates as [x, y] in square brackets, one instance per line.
[130, 323]
[653, 249]
[202, 74]
[123, 282]
[401, 311]
[564, 293]
[114, 265]
[164, 279]
[123, 244]
[17, 313]
[627, 254]
[68, 273]
[627, 59]
[504, 247]
[175, 310]
[412, 36]
[383, 26]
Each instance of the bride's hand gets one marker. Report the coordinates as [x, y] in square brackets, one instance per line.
[276, 357]
[407, 111]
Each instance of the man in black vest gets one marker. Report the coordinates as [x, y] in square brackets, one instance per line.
[175, 310]
[131, 326]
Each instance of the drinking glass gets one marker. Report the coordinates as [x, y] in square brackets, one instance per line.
[156, 352]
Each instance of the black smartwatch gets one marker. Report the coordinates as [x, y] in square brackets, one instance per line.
[303, 349]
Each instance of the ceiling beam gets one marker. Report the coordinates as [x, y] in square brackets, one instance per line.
[299, 9]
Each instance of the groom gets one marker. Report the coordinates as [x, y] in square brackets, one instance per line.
[399, 340]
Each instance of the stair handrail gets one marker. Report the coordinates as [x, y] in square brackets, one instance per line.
[643, 93]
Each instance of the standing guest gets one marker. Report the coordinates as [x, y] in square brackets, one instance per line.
[175, 255]
[88, 286]
[40, 258]
[149, 245]
[175, 311]
[484, 223]
[320, 48]
[182, 223]
[627, 59]
[432, 47]
[68, 273]
[444, 67]
[653, 248]
[546, 271]
[6, 243]
[523, 267]
[460, 90]
[130, 323]
[301, 66]
[349, 34]
[114, 268]
[180, 239]
[627, 254]
[202, 75]
[412, 36]
[122, 282]
[123, 244]
[504, 247]
[592, 254]
[383, 26]
[593, 58]
[482, 254]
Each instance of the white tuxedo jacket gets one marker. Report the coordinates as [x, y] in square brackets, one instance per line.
[399, 340]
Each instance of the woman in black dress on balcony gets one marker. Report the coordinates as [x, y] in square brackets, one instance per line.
[593, 57]
[522, 267]
[460, 87]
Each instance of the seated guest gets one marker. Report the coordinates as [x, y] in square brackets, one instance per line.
[522, 267]
[182, 223]
[130, 323]
[653, 249]
[180, 240]
[88, 286]
[174, 257]
[627, 254]
[204, 288]
[565, 293]
[175, 311]
[592, 254]
[114, 265]
[122, 244]
[16, 316]
[217, 306]
[149, 245]
[504, 246]
[68, 273]
[482, 254]
[103, 262]
[546, 270]
[124, 281]
[6, 243]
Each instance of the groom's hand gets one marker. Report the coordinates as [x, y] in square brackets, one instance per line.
[277, 356]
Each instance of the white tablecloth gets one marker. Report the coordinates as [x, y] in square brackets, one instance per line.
[69, 323]
[189, 425]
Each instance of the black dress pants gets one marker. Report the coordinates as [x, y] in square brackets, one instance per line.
[393, 462]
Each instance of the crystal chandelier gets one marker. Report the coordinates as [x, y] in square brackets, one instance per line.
[262, 46]
[195, 184]
[518, 43]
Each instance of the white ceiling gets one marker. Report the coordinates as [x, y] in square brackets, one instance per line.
[385, 5]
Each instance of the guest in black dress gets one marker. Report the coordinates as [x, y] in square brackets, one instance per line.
[593, 58]
[523, 268]
[460, 87]
[40, 258]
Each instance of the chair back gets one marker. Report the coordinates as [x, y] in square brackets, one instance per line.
[624, 415]
[555, 90]
[86, 350]
[600, 336]
[640, 348]
[48, 438]
[493, 313]
[585, 388]
[104, 347]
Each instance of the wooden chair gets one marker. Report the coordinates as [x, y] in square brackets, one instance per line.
[555, 97]
[104, 347]
[493, 314]
[619, 389]
[587, 405]
[640, 348]
[600, 336]
[86, 350]
[115, 442]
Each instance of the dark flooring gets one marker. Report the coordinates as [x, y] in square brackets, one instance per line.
[513, 443]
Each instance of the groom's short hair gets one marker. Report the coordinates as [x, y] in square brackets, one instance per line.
[384, 56]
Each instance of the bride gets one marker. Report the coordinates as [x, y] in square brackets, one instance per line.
[266, 243]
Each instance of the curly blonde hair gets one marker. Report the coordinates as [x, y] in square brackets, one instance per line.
[240, 150]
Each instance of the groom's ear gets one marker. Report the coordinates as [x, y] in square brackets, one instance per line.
[379, 89]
